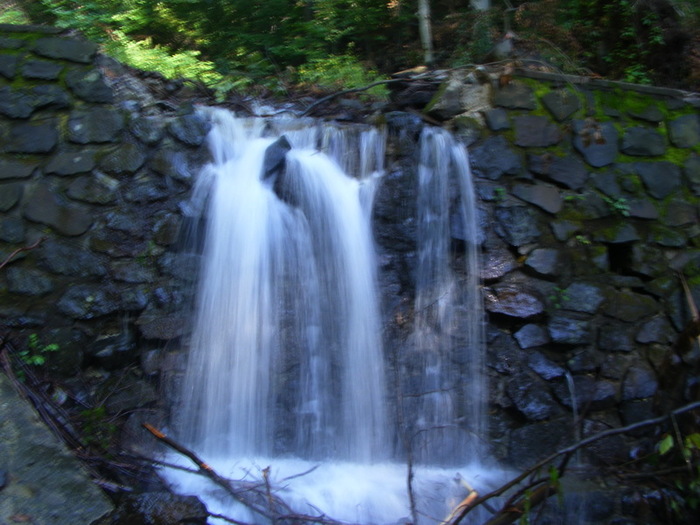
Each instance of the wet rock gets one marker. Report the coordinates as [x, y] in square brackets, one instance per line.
[596, 141]
[532, 131]
[125, 160]
[643, 142]
[71, 162]
[41, 69]
[656, 330]
[629, 306]
[113, 351]
[516, 225]
[96, 189]
[661, 179]
[497, 261]
[531, 398]
[149, 130]
[545, 261]
[543, 367]
[10, 194]
[639, 383]
[616, 337]
[146, 188]
[172, 163]
[28, 281]
[166, 230]
[583, 297]
[32, 137]
[87, 301]
[69, 259]
[684, 131]
[587, 392]
[155, 324]
[568, 171]
[512, 301]
[497, 119]
[536, 441]
[275, 158]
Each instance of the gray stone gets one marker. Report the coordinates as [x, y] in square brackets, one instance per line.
[643, 142]
[497, 261]
[497, 119]
[94, 189]
[650, 113]
[545, 261]
[126, 159]
[494, 158]
[47, 208]
[533, 131]
[66, 49]
[656, 330]
[68, 259]
[47, 482]
[544, 367]
[71, 162]
[618, 233]
[159, 325]
[531, 336]
[643, 208]
[12, 229]
[132, 271]
[629, 306]
[680, 213]
[639, 383]
[583, 297]
[16, 169]
[183, 266]
[561, 103]
[564, 229]
[515, 95]
[691, 168]
[615, 337]
[146, 188]
[587, 392]
[543, 196]
[190, 129]
[159, 508]
[597, 142]
[669, 237]
[531, 398]
[28, 281]
[172, 163]
[570, 329]
[10, 194]
[8, 65]
[149, 130]
[447, 103]
[88, 301]
[660, 178]
[32, 137]
[536, 441]
[89, 85]
[166, 230]
[41, 69]
[685, 131]
[512, 301]
[275, 158]
[95, 125]
[516, 225]
[568, 170]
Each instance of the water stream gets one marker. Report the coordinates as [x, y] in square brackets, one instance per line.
[286, 362]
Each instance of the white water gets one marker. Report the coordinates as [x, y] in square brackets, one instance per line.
[286, 365]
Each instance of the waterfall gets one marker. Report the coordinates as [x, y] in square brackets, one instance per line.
[448, 309]
[286, 365]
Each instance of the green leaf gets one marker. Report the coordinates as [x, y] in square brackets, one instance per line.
[693, 441]
[665, 444]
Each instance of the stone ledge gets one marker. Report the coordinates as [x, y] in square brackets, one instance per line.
[13, 28]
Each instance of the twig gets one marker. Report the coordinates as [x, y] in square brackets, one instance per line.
[22, 249]
[572, 448]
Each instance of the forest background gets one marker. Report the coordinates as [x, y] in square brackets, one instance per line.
[315, 46]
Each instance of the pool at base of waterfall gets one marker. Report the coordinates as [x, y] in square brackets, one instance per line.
[344, 492]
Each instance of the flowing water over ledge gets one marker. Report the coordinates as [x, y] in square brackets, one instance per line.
[286, 360]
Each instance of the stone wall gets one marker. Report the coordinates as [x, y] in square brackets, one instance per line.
[589, 199]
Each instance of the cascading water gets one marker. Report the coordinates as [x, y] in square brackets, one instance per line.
[286, 357]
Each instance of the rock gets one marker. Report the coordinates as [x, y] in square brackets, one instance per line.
[597, 142]
[28, 281]
[616, 337]
[532, 131]
[275, 158]
[641, 141]
[587, 392]
[561, 103]
[8, 65]
[10, 194]
[515, 95]
[583, 297]
[516, 225]
[125, 160]
[12, 229]
[541, 195]
[545, 368]
[497, 261]
[69, 259]
[497, 119]
[95, 125]
[447, 103]
[65, 49]
[16, 169]
[89, 85]
[45, 207]
[656, 330]
[684, 131]
[629, 306]
[568, 171]
[660, 178]
[45, 482]
[531, 398]
[512, 301]
[149, 130]
[87, 301]
[545, 261]
[567, 328]
[32, 137]
[41, 69]
[533, 442]
[494, 158]
[531, 335]
[159, 508]
[190, 129]
[639, 383]
[97, 189]
[71, 162]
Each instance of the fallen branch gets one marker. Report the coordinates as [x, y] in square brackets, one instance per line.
[19, 250]
[567, 452]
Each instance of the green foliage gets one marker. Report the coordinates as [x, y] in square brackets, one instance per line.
[34, 354]
[340, 72]
[98, 429]
[618, 205]
[11, 14]
[558, 297]
[688, 451]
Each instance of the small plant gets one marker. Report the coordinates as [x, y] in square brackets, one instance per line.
[558, 297]
[499, 194]
[583, 240]
[34, 354]
[98, 430]
[618, 205]
[689, 486]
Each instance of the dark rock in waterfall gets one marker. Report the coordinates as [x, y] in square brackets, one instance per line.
[125, 160]
[497, 119]
[532, 131]
[88, 301]
[583, 297]
[596, 141]
[497, 260]
[158, 508]
[544, 367]
[656, 330]
[536, 441]
[684, 131]
[586, 392]
[96, 189]
[493, 158]
[531, 398]
[629, 306]
[615, 337]
[394, 211]
[274, 164]
[561, 103]
[643, 142]
[512, 301]
[660, 178]
[69, 259]
[544, 261]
